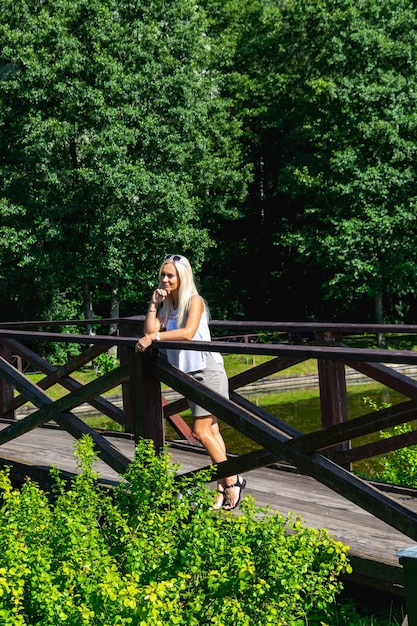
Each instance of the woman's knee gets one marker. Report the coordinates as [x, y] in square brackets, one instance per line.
[201, 428]
[200, 435]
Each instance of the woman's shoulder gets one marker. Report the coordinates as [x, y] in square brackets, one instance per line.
[197, 300]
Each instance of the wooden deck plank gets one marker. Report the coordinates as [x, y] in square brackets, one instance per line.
[370, 540]
[286, 491]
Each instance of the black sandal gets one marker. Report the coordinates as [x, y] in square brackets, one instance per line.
[241, 484]
[222, 491]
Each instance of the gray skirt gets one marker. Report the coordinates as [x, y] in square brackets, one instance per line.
[213, 376]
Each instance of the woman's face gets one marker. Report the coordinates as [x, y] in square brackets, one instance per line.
[170, 280]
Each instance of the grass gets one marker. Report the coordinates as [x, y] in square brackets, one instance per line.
[237, 363]
[83, 376]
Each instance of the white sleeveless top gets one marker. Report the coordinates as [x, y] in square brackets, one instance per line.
[191, 360]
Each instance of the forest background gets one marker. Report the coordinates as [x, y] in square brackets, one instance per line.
[273, 142]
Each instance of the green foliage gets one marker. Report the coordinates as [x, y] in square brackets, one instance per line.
[399, 467]
[351, 174]
[128, 129]
[115, 144]
[326, 91]
[62, 308]
[105, 362]
[154, 553]
[374, 405]
[59, 353]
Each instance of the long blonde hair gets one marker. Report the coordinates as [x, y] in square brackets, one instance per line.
[187, 289]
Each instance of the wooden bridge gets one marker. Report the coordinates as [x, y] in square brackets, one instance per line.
[308, 473]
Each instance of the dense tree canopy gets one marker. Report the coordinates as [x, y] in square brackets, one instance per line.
[358, 179]
[327, 90]
[115, 146]
[273, 142]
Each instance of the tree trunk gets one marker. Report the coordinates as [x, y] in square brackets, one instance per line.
[87, 304]
[114, 303]
[379, 318]
[114, 310]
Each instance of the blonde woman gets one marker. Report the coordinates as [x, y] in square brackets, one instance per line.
[178, 312]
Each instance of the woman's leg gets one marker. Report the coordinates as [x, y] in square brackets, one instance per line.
[207, 432]
[234, 492]
[216, 432]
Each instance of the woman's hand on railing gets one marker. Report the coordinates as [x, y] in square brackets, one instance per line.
[144, 342]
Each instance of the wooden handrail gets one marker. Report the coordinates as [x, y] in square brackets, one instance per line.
[319, 453]
[272, 326]
[340, 353]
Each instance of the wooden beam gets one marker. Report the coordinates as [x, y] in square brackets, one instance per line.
[382, 446]
[175, 407]
[240, 380]
[56, 411]
[290, 351]
[59, 375]
[237, 465]
[333, 396]
[6, 389]
[266, 417]
[263, 370]
[273, 440]
[387, 376]
[178, 424]
[357, 427]
[145, 398]
[333, 391]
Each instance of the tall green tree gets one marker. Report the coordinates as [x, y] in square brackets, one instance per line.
[326, 91]
[354, 166]
[116, 148]
[240, 268]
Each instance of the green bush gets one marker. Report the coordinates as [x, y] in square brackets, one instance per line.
[154, 553]
[58, 353]
[105, 362]
[398, 467]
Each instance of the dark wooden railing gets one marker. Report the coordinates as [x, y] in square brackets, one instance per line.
[325, 454]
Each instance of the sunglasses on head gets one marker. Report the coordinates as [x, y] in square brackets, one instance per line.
[173, 257]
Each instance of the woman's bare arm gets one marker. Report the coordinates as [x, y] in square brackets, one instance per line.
[186, 333]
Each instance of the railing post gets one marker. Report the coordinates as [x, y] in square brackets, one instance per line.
[408, 559]
[6, 390]
[145, 399]
[333, 395]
